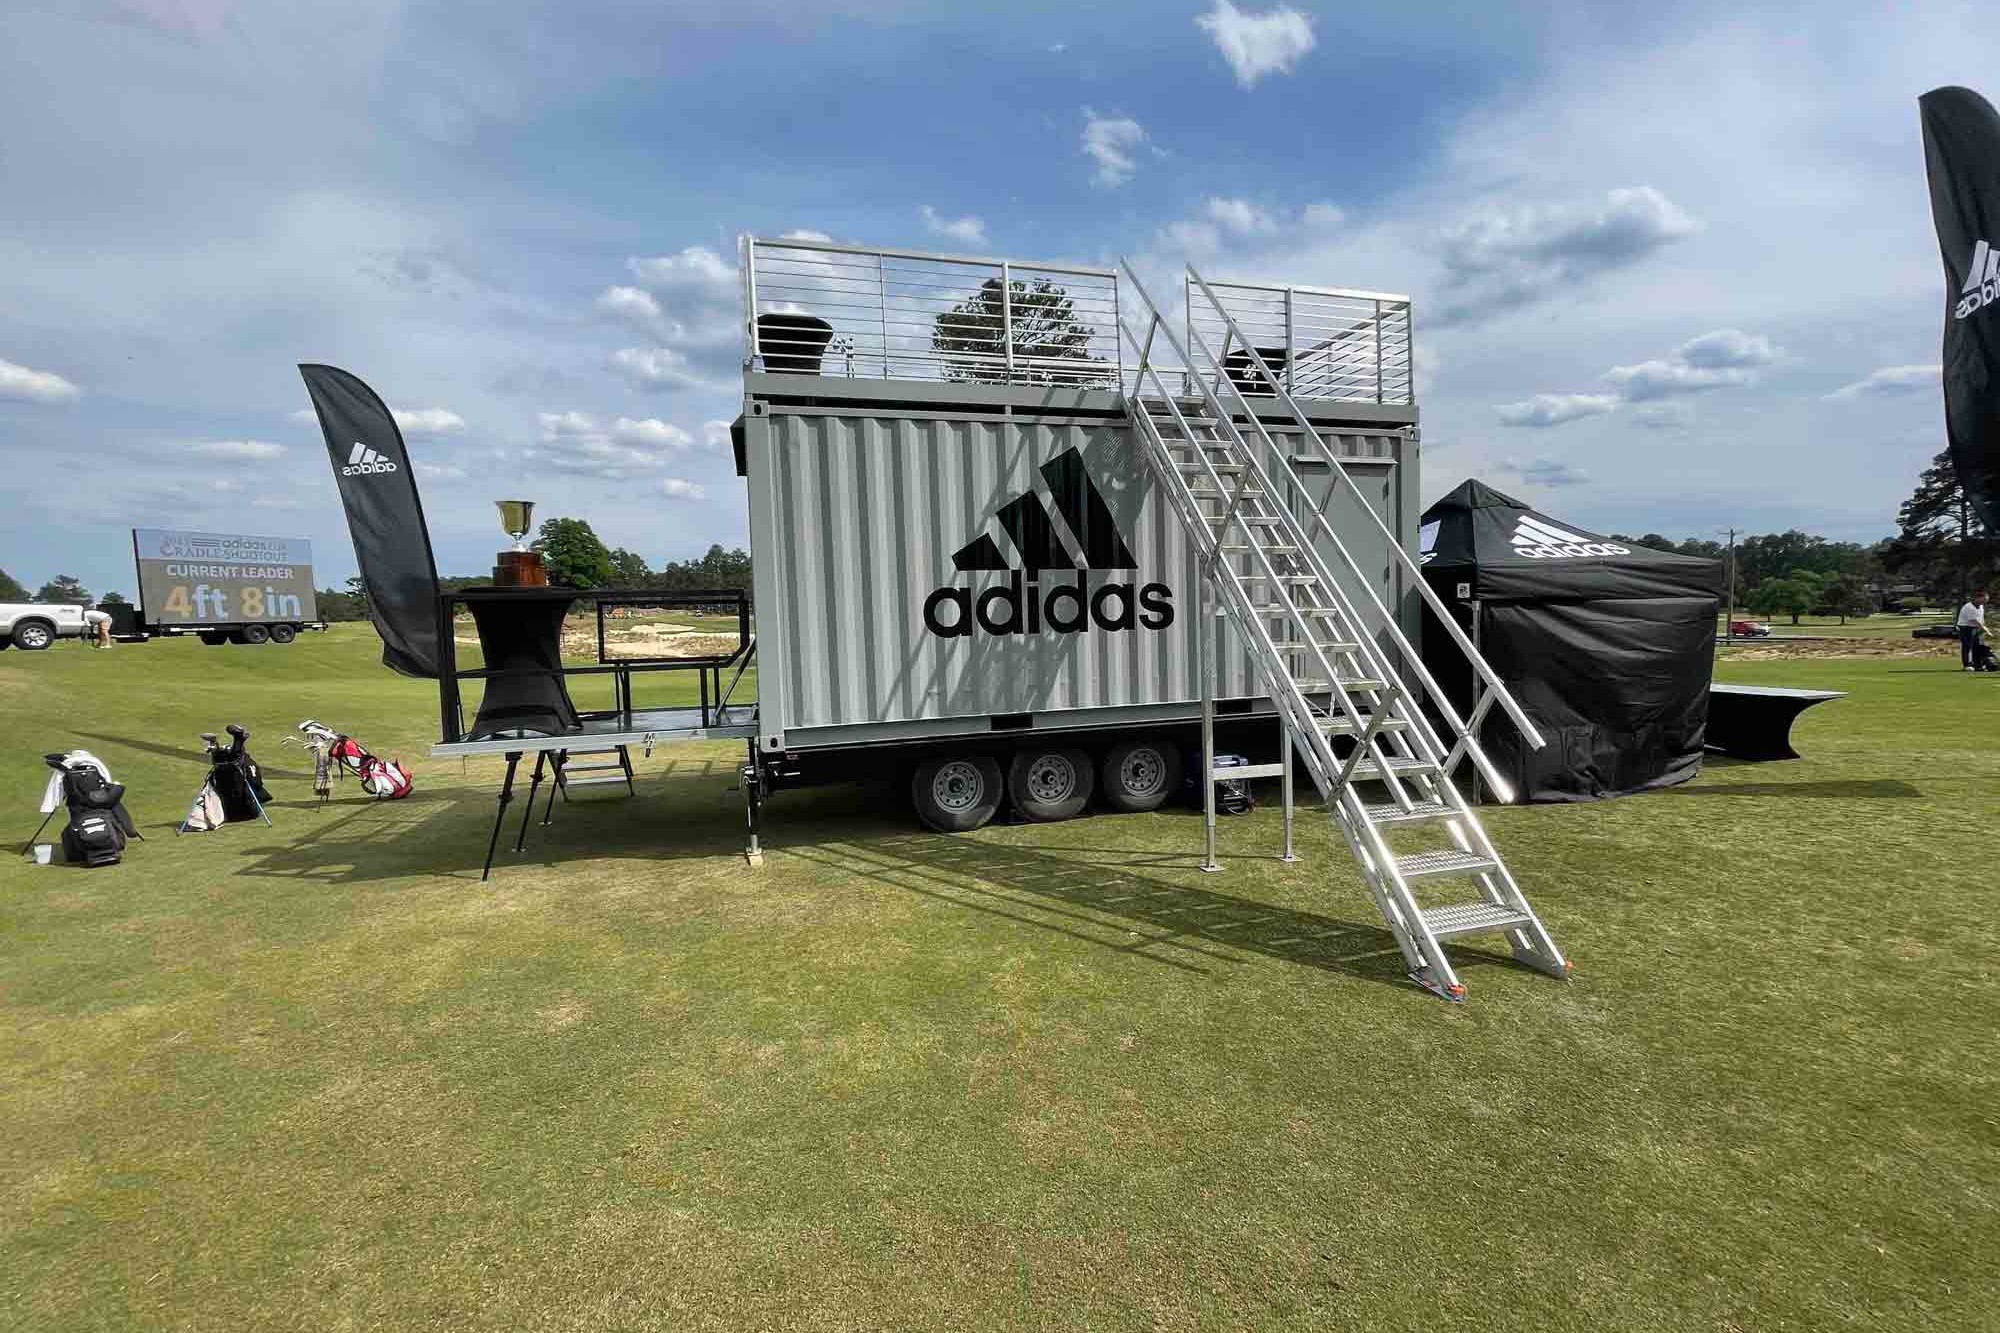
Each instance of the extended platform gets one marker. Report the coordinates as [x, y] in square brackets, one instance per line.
[645, 728]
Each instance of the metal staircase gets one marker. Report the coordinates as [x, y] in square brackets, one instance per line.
[1316, 628]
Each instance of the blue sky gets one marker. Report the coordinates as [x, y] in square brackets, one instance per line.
[1673, 272]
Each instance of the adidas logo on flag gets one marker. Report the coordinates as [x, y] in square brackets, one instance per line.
[1535, 540]
[1020, 605]
[364, 461]
[1982, 281]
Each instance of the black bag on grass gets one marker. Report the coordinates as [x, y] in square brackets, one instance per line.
[92, 838]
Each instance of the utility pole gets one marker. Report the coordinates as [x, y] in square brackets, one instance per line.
[1729, 616]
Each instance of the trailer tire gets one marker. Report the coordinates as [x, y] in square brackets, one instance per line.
[283, 633]
[1140, 774]
[1048, 783]
[32, 636]
[256, 634]
[956, 793]
[214, 638]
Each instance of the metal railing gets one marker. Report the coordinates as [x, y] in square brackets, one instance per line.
[1324, 343]
[821, 308]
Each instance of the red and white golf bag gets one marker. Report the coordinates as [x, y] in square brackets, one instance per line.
[384, 779]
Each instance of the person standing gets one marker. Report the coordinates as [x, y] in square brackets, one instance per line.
[1971, 629]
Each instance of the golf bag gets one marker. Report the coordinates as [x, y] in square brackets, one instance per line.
[234, 790]
[383, 779]
[98, 824]
[1232, 796]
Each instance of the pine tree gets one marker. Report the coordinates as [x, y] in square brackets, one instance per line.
[1941, 542]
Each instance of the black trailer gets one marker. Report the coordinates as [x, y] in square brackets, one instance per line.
[219, 587]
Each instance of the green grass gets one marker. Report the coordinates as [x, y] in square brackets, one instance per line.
[1857, 627]
[1043, 1076]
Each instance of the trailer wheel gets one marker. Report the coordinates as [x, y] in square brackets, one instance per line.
[1140, 774]
[214, 638]
[283, 634]
[256, 634]
[956, 793]
[1050, 784]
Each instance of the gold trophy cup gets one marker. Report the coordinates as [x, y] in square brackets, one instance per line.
[520, 567]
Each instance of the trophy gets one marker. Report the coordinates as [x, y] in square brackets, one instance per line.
[520, 567]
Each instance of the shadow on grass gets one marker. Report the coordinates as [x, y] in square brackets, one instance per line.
[1179, 925]
[1849, 788]
[191, 753]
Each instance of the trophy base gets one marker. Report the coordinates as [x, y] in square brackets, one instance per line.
[520, 569]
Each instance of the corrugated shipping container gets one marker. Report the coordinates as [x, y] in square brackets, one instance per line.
[865, 511]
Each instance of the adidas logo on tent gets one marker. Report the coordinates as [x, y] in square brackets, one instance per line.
[1021, 606]
[364, 461]
[1982, 281]
[1535, 540]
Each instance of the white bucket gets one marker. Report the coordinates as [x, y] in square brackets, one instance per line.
[43, 851]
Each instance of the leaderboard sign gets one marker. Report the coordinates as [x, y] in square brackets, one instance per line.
[204, 578]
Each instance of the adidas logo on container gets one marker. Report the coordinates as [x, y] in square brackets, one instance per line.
[364, 461]
[1021, 605]
[1982, 281]
[1536, 540]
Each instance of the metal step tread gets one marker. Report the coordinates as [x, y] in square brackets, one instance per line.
[599, 780]
[1473, 918]
[1401, 767]
[573, 769]
[1445, 861]
[1242, 771]
[1388, 812]
[575, 750]
[1348, 726]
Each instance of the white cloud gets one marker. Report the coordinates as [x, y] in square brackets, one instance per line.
[23, 385]
[249, 451]
[656, 368]
[1239, 216]
[1892, 380]
[804, 234]
[634, 304]
[697, 269]
[1545, 472]
[1511, 256]
[1323, 215]
[680, 488]
[967, 230]
[1111, 142]
[1553, 409]
[650, 433]
[1727, 347]
[578, 443]
[715, 434]
[1257, 44]
[428, 422]
[1663, 379]
[439, 471]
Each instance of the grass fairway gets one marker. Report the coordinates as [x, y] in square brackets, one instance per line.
[318, 1077]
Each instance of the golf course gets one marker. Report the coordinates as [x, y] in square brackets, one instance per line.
[317, 1076]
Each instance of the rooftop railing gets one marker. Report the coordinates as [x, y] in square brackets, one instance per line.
[820, 308]
[843, 311]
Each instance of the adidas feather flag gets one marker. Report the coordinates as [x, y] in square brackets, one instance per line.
[1962, 159]
[379, 491]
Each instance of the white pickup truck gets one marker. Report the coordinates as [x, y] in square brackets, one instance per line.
[35, 625]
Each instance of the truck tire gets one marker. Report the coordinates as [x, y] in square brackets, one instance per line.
[214, 638]
[1049, 782]
[283, 633]
[256, 634]
[956, 793]
[1140, 774]
[32, 636]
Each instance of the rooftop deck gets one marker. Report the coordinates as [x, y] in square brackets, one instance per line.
[844, 312]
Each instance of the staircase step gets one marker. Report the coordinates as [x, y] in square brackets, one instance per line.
[595, 780]
[1388, 812]
[1473, 919]
[574, 769]
[1300, 579]
[1272, 549]
[1370, 771]
[1449, 861]
[1246, 771]
[1288, 646]
[573, 751]
[1347, 726]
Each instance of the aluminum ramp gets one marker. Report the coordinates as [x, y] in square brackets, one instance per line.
[1313, 625]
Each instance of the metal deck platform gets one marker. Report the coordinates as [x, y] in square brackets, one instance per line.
[643, 727]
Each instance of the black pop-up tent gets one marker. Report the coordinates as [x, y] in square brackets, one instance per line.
[1609, 648]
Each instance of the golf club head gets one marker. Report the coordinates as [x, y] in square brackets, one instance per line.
[238, 730]
[55, 760]
[208, 739]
